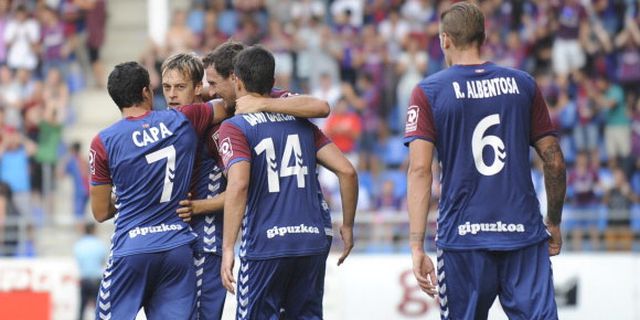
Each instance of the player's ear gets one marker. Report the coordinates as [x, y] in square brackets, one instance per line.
[198, 88]
[238, 84]
[146, 94]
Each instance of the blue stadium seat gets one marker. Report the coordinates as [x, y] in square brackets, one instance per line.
[635, 182]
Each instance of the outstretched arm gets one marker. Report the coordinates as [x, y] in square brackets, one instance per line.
[332, 158]
[189, 208]
[301, 106]
[555, 182]
[419, 194]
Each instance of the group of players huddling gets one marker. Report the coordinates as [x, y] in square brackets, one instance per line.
[161, 174]
[249, 159]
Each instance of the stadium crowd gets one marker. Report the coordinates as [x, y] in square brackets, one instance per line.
[364, 57]
[44, 47]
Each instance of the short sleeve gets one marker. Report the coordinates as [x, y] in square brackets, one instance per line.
[200, 115]
[98, 163]
[232, 145]
[319, 137]
[280, 93]
[541, 125]
[419, 122]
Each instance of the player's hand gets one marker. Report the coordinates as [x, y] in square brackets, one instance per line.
[425, 273]
[186, 209]
[347, 238]
[226, 271]
[249, 104]
[555, 242]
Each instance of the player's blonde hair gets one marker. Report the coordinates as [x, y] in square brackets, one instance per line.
[188, 64]
[463, 22]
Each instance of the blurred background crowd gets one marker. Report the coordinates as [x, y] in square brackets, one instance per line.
[364, 57]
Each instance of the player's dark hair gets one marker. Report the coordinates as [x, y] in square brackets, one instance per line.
[186, 63]
[222, 57]
[126, 82]
[255, 67]
[463, 22]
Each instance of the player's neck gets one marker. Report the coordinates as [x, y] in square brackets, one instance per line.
[466, 57]
[134, 111]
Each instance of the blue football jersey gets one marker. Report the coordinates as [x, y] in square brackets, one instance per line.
[284, 216]
[209, 181]
[482, 120]
[149, 162]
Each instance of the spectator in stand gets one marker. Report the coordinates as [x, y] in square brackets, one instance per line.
[610, 98]
[9, 222]
[635, 132]
[394, 31]
[368, 105]
[582, 186]
[55, 93]
[328, 91]
[280, 44]
[49, 119]
[10, 98]
[585, 133]
[411, 67]
[54, 48]
[344, 127]
[96, 17]
[571, 30]
[388, 200]
[212, 37]
[304, 11]
[418, 13]
[15, 151]
[21, 36]
[179, 37]
[627, 42]
[618, 199]
[4, 19]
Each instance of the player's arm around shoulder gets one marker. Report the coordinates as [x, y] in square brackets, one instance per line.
[301, 106]
[332, 158]
[555, 181]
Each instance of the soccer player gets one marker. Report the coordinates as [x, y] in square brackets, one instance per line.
[491, 239]
[271, 160]
[144, 158]
[182, 75]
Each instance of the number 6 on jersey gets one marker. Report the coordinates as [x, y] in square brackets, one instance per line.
[479, 142]
[292, 147]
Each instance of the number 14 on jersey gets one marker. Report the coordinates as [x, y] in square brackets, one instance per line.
[292, 148]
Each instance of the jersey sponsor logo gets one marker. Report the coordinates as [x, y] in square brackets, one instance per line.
[412, 118]
[153, 229]
[226, 149]
[283, 231]
[92, 161]
[499, 226]
[150, 135]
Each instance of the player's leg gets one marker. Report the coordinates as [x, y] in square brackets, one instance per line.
[467, 283]
[526, 283]
[212, 293]
[261, 287]
[173, 294]
[306, 288]
[122, 289]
